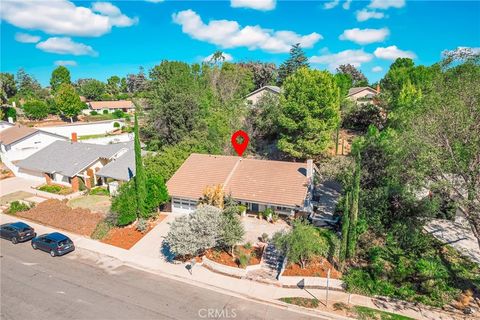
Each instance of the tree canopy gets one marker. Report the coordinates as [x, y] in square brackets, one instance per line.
[60, 75]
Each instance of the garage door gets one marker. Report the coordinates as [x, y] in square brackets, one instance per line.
[183, 205]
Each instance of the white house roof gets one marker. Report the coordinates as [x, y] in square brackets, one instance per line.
[273, 89]
[69, 158]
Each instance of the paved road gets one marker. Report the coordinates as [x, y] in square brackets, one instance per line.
[36, 286]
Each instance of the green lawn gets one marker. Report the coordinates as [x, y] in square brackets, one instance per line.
[365, 313]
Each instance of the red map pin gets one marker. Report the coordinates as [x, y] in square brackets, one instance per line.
[240, 147]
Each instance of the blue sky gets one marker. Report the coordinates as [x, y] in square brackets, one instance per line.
[100, 39]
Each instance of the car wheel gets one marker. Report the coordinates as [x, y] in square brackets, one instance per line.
[34, 246]
[14, 240]
[52, 253]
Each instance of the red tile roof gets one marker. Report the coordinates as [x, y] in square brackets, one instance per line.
[262, 181]
[120, 104]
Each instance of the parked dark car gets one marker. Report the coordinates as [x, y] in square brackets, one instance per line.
[17, 232]
[55, 243]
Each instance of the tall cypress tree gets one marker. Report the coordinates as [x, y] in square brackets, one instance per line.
[140, 185]
[352, 233]
[345, 227]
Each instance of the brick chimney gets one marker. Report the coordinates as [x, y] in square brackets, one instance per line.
[74, 137]
[378, 88]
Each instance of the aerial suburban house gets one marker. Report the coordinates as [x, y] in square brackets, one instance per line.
[362, 95]
[110, 106]
[286, 187]
[73, 164]
[19, 142]
[254, 96]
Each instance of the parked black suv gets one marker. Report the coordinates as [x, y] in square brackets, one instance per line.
[17, 232]
[55, 243]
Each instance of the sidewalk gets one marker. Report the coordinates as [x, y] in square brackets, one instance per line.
[232, 286]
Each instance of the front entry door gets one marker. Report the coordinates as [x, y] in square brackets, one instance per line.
[255, 207]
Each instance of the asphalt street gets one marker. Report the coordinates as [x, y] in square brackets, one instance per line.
[37, 286]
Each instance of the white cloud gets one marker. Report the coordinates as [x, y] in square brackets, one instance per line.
[71, 63]
[26, 38]
[226, 57]
[263, 5]
[229, 34]
[365, 36]
[392, 53]
[154, 1]
[62, 17]
[65, 45]
[364, 15]
[333, 60]
[331, 4]
[377, 69]
[385, 4]
[346, 4]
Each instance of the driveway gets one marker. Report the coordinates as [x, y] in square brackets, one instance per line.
[15, 184]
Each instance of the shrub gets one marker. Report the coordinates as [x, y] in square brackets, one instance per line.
[193, 234]
[248, 245]
[142, 225]
[268, 213]
[242, 208]
[105, 111]
[81, 184]
[99, 191]
[17, 206]
[50, 188]
[125, 204]
[101, 230]
[301, 244]
[116, 125]
[264, 237]
[93, 113]
[36, 109]
[243, 260]
[117, 114]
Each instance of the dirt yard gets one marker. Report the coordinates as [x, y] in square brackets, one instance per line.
[222, 257]
[316, 268]
[57, 214]
[128, 236]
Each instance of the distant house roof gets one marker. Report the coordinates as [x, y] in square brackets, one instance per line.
[119, 104]
[273, 89]
[15, 133]
[251, 180]
[355, 90]
[69, 158]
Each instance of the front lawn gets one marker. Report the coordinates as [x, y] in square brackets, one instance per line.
[99, 203]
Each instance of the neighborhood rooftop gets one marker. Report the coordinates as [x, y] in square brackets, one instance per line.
[119, 104]
[358, 89]
[69, 158]
[118, 169]
[274, 89]
[15, 133]
[262, 181]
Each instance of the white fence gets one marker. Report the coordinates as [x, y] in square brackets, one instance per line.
[124, 137]
[84, 128]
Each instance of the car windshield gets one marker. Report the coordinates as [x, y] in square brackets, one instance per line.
[64, 242]
[25, 229]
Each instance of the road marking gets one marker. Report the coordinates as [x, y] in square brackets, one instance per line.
[29, 263]
[60, 292]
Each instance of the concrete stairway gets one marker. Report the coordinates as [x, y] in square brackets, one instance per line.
[271, 265]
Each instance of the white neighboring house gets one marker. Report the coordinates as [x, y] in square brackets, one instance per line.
[254, 96]
[362, 95]
[5, 125]
[86, 128]
[19, 142]
[109, 106]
